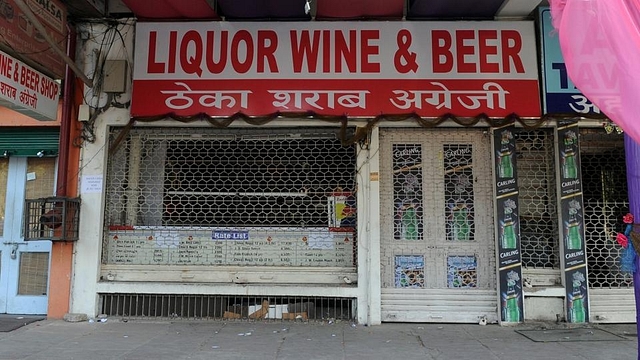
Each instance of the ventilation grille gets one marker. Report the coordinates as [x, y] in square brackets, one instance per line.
[215, 307]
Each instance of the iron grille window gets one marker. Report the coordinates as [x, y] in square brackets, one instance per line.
[537, 199]
[183, 182]
[201, 178]
[606, 200]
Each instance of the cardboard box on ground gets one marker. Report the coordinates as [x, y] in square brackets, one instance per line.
[293, 311]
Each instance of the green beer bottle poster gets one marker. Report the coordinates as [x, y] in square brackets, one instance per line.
[407, 192]
[507, 224]
[458, 191]
[571, 221]
[512, 298]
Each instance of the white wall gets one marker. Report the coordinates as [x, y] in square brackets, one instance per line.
[96, 43]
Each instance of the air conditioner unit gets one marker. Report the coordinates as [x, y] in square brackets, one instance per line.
[52, 218]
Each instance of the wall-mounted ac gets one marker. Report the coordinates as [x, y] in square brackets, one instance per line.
[52, 218]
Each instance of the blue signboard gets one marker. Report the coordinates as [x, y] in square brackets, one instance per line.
[560, 95]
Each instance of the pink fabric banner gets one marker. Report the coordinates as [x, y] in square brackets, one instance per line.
[600, 42]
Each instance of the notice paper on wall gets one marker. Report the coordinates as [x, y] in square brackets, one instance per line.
[91, 184]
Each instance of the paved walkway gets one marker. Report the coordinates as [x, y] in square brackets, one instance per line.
[144, 339]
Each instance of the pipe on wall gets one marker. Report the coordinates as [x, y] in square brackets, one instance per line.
[67, 111]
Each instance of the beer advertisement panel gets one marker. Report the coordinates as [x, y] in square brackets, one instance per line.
[511, 297]
[571, 221]
[577, 295]
[509, 257]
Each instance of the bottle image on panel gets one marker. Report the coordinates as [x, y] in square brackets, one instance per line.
[461, 228]
[409, 222]
[505, 155]
[460, 209]
[569, 168]
[505, 166]
[410, 206]
[576, 300]
[573, 237]
[510, 299]
[508, 236]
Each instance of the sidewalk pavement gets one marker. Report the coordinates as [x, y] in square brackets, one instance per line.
[208, 339]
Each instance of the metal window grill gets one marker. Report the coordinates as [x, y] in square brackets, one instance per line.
[228, 307]
[233, 180]
[606, 200]
[537, 198]
[52, 218]
[459, 193]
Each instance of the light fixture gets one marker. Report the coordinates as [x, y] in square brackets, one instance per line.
[40, 153]
[307, 7]
[6, 153]
[610, 127]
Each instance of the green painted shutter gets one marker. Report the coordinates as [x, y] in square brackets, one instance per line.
[29, 142]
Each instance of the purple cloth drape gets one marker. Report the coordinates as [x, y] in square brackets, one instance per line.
[600, 42]
[632, 154]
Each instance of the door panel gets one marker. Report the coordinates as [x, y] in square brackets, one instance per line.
[24, 266]
[437, 238]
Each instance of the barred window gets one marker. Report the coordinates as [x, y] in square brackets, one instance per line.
[201, 178]
[604, 186]
[537, 198]
[188, 186]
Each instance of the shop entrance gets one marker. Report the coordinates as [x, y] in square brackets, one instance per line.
[437, 229]
[24, 266]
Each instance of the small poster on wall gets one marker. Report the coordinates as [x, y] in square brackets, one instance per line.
[341, 207]
[409, 271]
[407, 191]
[462, 271]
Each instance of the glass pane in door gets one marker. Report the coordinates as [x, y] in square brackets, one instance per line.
[34, 273]
[41, 176]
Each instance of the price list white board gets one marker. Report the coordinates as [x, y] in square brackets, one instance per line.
[314, 247]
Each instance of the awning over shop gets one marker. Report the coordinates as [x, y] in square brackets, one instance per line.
[296, 10]
[359, 9]
[171, 9]
[263, 9]
[480, 9]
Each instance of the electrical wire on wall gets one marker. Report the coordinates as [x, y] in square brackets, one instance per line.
[98, 100]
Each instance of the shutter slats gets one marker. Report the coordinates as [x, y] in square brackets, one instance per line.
[28, 142]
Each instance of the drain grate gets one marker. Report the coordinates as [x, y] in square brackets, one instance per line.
[570, 335]
[275, 308]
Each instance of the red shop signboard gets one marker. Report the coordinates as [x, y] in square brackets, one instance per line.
[359, 69]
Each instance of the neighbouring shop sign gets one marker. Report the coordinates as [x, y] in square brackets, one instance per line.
[26, 90]
[17, 32]
[560, 95]
[347, 68]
